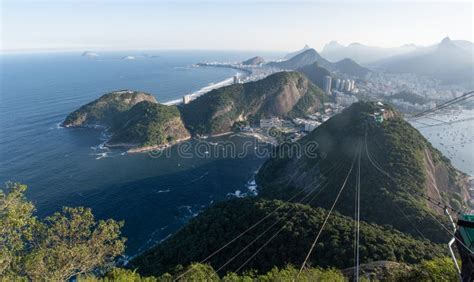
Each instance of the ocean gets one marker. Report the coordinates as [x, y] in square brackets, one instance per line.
[455, 138]
[66, 167]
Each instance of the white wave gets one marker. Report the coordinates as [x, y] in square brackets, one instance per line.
[187, 208]
[163, 191]
[101, 155]
[237, 194]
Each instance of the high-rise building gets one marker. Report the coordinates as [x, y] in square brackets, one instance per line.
[342, 85]
[347, 85]
[337, 84]
[327, 84]
[237, 79]
[186, 99]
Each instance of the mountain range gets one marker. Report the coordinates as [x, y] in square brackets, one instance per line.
[362, 54]
[450, 61]
[310, 56]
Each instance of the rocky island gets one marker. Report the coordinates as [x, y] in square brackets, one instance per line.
[134, 119]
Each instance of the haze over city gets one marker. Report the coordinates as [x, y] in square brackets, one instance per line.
[228, 25]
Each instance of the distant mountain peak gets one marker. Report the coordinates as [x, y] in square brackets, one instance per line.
[333, 45]
[309, 51]
[447, 44]
[290, 55]
[446, 40]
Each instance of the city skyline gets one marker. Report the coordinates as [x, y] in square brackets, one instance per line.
[244, 25]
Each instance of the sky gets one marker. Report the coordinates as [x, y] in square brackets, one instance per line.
[227, 25]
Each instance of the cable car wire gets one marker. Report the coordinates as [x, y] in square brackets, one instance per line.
[330, 211]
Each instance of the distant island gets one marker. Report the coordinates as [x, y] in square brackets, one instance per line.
[129, 58]
[90, 54]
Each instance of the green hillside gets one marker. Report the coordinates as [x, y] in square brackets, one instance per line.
[134, 119]
[282, 94]
[315, 73]
[105, 110]
[149, 124]
[397, 147]
[224, 221]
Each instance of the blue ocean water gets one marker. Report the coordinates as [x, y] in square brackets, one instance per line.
[62, 167]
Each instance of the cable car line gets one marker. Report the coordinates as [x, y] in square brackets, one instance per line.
[357, 220]
[448, 103]
[269, 228]
[338, 163]
[447, 123]
[377, 166]
[428, 198]
[330, 211]
[438, 204]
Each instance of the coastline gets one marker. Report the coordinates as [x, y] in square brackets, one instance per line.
[205, 89]
[143, 149]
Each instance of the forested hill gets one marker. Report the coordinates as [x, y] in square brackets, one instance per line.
[135, 120]
[283, 94]
[295, 225]
[396, 148]
[315, 73]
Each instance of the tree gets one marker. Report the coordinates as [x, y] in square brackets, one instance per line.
[17, 226]
[61, 246]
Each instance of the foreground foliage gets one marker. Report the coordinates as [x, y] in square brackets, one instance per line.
[61, 246]
[441, 269]
[297, 225]
[204, 272]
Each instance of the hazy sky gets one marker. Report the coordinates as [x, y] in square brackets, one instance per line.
[225, 24]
